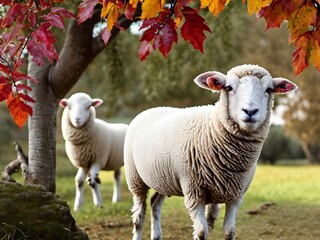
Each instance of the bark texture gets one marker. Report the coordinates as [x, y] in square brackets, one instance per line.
[55, 81]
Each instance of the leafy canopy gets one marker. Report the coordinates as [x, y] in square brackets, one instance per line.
[27, 25]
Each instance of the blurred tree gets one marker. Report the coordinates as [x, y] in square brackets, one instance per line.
[303, 115]
[279, 145]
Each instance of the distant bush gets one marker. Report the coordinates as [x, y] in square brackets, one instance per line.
[278, 146]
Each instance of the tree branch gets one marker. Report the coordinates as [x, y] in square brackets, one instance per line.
[20, 163]
[79, 49]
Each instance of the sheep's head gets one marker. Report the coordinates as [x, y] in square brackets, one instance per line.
[81, 106]
[249, 89]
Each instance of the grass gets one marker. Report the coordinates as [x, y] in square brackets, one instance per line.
[295, 191]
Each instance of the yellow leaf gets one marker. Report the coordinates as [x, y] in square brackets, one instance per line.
[315, 54]
[254, 6]
[151, 8]
[134, 3]
[214, 6]
[111, 10]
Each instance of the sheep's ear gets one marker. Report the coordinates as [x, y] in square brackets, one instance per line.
[283, 86]
[214, 81]
[63, 103]
[96, 102]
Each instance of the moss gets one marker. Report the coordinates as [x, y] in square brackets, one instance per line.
[29, 212]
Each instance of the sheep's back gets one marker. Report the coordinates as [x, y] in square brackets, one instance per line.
[157, 138]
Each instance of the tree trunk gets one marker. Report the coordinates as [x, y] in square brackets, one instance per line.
[54, 82]
[42, 130]
[312, 152]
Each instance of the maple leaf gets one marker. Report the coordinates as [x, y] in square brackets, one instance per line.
[300, 55]
[254, 6]
[105, 35]
[277, 12]
[161, 33]
[193, 28]
[85, 9]
[300, 20]
[5, 90]
[129, 11]
[18, 109]
[214, 6]
[112, 11]
[151, 8]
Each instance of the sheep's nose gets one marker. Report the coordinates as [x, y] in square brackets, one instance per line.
[250, 113]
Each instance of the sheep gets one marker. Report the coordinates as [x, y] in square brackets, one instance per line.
[91, 145]
[207, 154]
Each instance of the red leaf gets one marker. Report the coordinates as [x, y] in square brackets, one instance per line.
[193, 28]
[105, 35]
[5, 69]
[26, 98]
[55, 20]
[62, 12]
[18, 110]
[85, 10]
[41, 45]
[20, 87]
[18, 76]
[144, 50]
[5, 90]
[161, 33]
[277, 12]
[32, 19]
[129, 11]
[16, 12]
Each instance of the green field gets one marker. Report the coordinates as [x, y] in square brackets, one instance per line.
[293, 190]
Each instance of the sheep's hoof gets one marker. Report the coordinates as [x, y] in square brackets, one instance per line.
[230, 236]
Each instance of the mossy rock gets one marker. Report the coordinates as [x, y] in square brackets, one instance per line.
[30, 212]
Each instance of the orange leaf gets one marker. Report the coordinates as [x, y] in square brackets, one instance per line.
[300, 20]
[315, 51]
[134, 3]
[277, 12]
[254, 6]
[151, 8]
[18, 110]
[300, 55]
[112, 11]
[214, 6]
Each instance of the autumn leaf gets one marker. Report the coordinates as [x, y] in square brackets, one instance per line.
[160, 33]
[105, 35]
[300, 20]
[300, 55]
[254, 6]
[193, 28]
[5, 90]
[315, 50]
[277, 12]
[85, 10]
[111, 10]
[214, 6]
[18, 110]
[151, 8]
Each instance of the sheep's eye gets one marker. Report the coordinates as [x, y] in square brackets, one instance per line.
[269, 90]
[229, 88]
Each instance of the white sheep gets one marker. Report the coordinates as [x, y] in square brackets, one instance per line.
[207, 154]
[91, 145]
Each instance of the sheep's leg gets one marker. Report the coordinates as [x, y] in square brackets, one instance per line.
[117, 186]
[212, 212]
[94, 182]
[156, 205]
[79, 181]
[196, 209]
[139, 212]
[229, 223]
